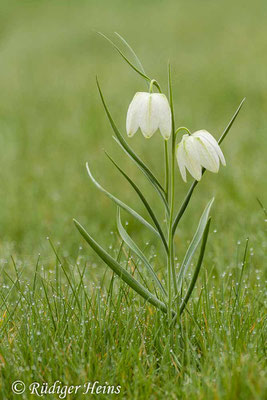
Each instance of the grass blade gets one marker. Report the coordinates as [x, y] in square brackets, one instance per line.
[262, 207]
[144, 201]
[198, 266]
[194, 184]
[49, 305]
[121, 204]
[133, 246]
[121, 272]
[35, 275]
[129, 151]
[240, 279]
[194, 243]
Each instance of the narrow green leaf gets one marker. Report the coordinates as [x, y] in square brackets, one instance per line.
[149, 176]
[121, 204]
[198, 266]
[144, 201]
[194, 184]
[133, 246]
[194, 243]
[133, 53]
[227, 129]
[125, 58]
[121, 272]
[183, 207]
[129, 151]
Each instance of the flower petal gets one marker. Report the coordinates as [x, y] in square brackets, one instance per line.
[165, 118]
[213, 142]
[207, 154]
[191, 158]
[149, 117]
[135, 112]
[180, 160]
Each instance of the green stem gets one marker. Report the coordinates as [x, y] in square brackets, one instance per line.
[182, 128]
[171, 264]
[166, 170]
[170, 256]
[155, 83]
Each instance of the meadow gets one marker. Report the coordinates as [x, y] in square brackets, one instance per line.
[63, 315]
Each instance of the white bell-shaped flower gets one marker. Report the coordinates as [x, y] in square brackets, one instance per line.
[149, 112]
[196, 151]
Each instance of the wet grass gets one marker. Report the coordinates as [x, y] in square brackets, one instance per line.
[59, 318]
[63, 325]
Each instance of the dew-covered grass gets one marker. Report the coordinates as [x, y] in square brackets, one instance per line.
[62, 314]
[63, 324]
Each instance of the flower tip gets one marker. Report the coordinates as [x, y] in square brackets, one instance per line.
[147, 135]
[166, 135]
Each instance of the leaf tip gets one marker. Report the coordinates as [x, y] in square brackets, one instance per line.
[212, 201]
[87, 167]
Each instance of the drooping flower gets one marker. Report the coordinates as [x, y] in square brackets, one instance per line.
[149, 112]
[198, 150]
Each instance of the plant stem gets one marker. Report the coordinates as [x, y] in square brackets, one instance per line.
[170, 260]
[155, 83]
[166, 170]
[182, 128]
[171, 264]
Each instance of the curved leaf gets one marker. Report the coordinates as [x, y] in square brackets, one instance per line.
[198, 266]
[144, 201]
[121, 204]
[142, 73]
[194, 243]
[121, 272]
[133, 53]
[133, 246]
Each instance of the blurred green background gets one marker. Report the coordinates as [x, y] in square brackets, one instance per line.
[52, 120]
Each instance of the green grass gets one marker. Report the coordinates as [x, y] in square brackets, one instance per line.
[65, 326]
[72, 326]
